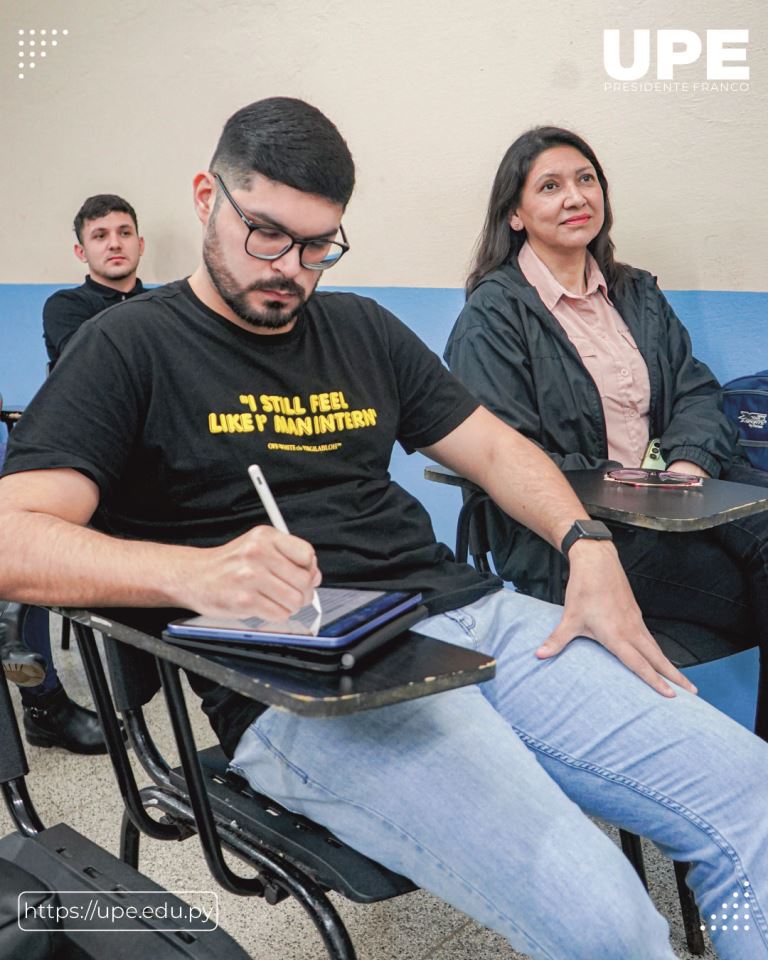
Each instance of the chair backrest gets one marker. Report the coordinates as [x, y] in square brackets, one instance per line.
[132, 672]
[479, 543]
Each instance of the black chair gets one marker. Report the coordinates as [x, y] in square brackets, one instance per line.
[62, 870]
[684, 644]
[291, 855]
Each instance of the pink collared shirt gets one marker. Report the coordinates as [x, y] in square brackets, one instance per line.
[607, 350]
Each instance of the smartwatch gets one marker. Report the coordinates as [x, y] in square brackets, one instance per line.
[584, 530]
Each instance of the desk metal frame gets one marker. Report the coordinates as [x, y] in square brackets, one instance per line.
[192, 812]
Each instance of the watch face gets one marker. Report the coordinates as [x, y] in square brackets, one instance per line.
[594, 529]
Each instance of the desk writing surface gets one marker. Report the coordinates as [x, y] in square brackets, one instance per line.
[413, 667]
[683, 508]
[680, 509]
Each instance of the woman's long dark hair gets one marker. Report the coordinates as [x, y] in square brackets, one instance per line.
[499, 241]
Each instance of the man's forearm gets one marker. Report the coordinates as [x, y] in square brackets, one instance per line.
[527, 485]
[51, 556]
[515, 473]
[48, 560]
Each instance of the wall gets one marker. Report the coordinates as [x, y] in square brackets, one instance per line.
[428, 94]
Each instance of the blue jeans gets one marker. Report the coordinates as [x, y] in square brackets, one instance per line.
[480, 794]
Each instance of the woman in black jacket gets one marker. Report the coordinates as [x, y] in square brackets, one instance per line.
[585, 356]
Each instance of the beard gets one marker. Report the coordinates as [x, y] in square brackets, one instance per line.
[275, 315]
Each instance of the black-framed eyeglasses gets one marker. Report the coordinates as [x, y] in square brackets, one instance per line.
[270, 243]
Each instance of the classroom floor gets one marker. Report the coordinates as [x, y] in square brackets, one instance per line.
[82, 792]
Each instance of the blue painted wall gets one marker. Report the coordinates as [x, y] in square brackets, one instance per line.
[728, 330]
[22, 353]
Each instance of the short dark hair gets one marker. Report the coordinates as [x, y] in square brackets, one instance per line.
[288, 141]
[99, 206]
[498, 241]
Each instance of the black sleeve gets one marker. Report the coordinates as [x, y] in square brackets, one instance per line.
[488, 352]
[63, 315]
[698, 430]
[85, 416]
[432, 401]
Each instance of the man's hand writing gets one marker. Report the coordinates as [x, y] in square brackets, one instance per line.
[599, 604]
[263, 573]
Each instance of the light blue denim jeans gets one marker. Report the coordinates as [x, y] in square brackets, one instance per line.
[480, 794]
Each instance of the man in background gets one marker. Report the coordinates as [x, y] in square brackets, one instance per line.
[108, 241]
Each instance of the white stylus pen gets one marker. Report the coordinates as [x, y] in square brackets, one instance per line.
[276, 519]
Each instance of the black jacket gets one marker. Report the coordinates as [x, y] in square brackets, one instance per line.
[515, 357]
[67, 310]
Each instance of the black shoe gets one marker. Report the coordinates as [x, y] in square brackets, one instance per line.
[21, 665]
[57, 721]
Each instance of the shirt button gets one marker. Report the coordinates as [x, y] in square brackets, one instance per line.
[633, 413]
[624, 372]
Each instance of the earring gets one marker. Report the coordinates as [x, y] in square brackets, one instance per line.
[516, 223]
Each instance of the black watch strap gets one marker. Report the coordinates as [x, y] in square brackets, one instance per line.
[584, 530]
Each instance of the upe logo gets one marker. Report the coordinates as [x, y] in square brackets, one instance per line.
[724, 48]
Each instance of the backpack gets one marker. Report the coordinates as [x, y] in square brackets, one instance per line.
[745, 401]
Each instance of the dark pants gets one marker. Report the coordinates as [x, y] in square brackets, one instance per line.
[717, 578]
[36, 634]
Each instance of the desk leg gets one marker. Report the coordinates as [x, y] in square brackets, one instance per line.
[632, 848]
[118, 753]
[310, 896]
[689, 910]
[198, 795]
[15, 768]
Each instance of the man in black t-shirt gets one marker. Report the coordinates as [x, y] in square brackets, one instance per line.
[107, 239]
[126, 485]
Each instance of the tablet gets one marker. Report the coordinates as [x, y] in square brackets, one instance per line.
[347, 616]
[326, 660]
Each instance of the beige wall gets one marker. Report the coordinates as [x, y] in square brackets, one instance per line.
[428, 94]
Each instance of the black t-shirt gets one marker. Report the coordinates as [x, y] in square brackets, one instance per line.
[65, 311]
[164, 404]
